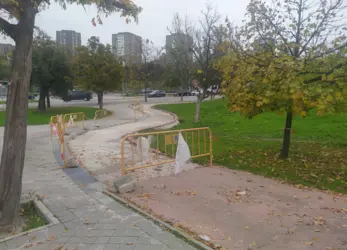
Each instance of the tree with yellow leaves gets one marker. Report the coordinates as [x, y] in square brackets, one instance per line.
[290, 56]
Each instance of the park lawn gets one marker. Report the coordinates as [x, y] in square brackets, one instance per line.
[37, 118]
[29, 101]
[318, 156]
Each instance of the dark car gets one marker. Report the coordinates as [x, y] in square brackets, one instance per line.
[144, 91]
[157, 93]
[185, 93]
[77, 95]
[31, 96]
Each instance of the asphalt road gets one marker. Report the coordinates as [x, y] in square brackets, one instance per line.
[112, 99]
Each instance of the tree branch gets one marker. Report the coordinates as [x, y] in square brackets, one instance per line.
[317, 78]
[279, 33]
[8, 28]
[320, 25]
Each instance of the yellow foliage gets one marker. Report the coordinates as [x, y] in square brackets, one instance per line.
[264, 82]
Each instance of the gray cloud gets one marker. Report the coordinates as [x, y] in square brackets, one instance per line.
[153, 21]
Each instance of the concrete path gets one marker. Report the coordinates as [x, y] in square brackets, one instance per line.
[100, 150]
[89, 219]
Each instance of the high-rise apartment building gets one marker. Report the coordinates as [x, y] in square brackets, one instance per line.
[180, 42]
[127, 47]
[69, 39]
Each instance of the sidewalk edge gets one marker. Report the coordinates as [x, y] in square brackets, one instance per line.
[175, 231]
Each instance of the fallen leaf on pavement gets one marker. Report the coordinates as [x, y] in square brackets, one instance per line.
[51, 238]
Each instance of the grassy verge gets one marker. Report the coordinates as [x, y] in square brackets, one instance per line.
[318, 150]
[30, 217]
[37, 118]
[29, 101]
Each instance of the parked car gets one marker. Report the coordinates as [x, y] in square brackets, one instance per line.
[185, 93]
[143, 91]
[77, 95]
[31, 97]
[196, 92]
[157, 93]
[213, 89]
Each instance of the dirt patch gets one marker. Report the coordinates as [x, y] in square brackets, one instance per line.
[238, 210]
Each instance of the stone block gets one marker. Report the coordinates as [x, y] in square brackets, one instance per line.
[124, 184]
[127, 188]
[71, 162]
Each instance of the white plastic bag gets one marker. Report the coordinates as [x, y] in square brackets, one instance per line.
[182, 154]
[142, 150]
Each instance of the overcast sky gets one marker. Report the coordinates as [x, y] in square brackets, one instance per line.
[153, 20]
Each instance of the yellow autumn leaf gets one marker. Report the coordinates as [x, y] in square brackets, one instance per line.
[259, 103]
[303, 113]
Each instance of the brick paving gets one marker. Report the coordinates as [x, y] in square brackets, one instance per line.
[89, 219]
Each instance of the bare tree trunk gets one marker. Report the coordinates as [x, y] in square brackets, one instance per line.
[181, 92]
[42, 100]
[197, 110]
[146, 86]
[286, 136]
[15, 135]
[48, 100]
[101, 99]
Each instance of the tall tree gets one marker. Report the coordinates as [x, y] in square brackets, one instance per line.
[289, 56]
[13, 151]
[51, 69]
[96, 69]
[181, 57]
[205, 53]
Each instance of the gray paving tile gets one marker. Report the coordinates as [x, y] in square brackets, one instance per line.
[3, 246]
[112, 247]
[64, 196]
[103, 240]
[123, 240]
[126, 247]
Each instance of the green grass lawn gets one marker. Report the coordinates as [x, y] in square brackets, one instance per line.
[29, 101]
[37, 118]
[318, 155]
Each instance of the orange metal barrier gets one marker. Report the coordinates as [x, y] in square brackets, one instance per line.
[164, 145]
[58, 129]
[101, 114]
[70, 119]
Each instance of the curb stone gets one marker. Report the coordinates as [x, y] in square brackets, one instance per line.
[45, 213]
[190, 240]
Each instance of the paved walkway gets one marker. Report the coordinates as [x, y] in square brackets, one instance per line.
[100, 150]
[89, 219]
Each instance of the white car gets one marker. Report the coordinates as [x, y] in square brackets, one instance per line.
[196, 92]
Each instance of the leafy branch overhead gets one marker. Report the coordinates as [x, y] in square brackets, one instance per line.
[19, 8]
